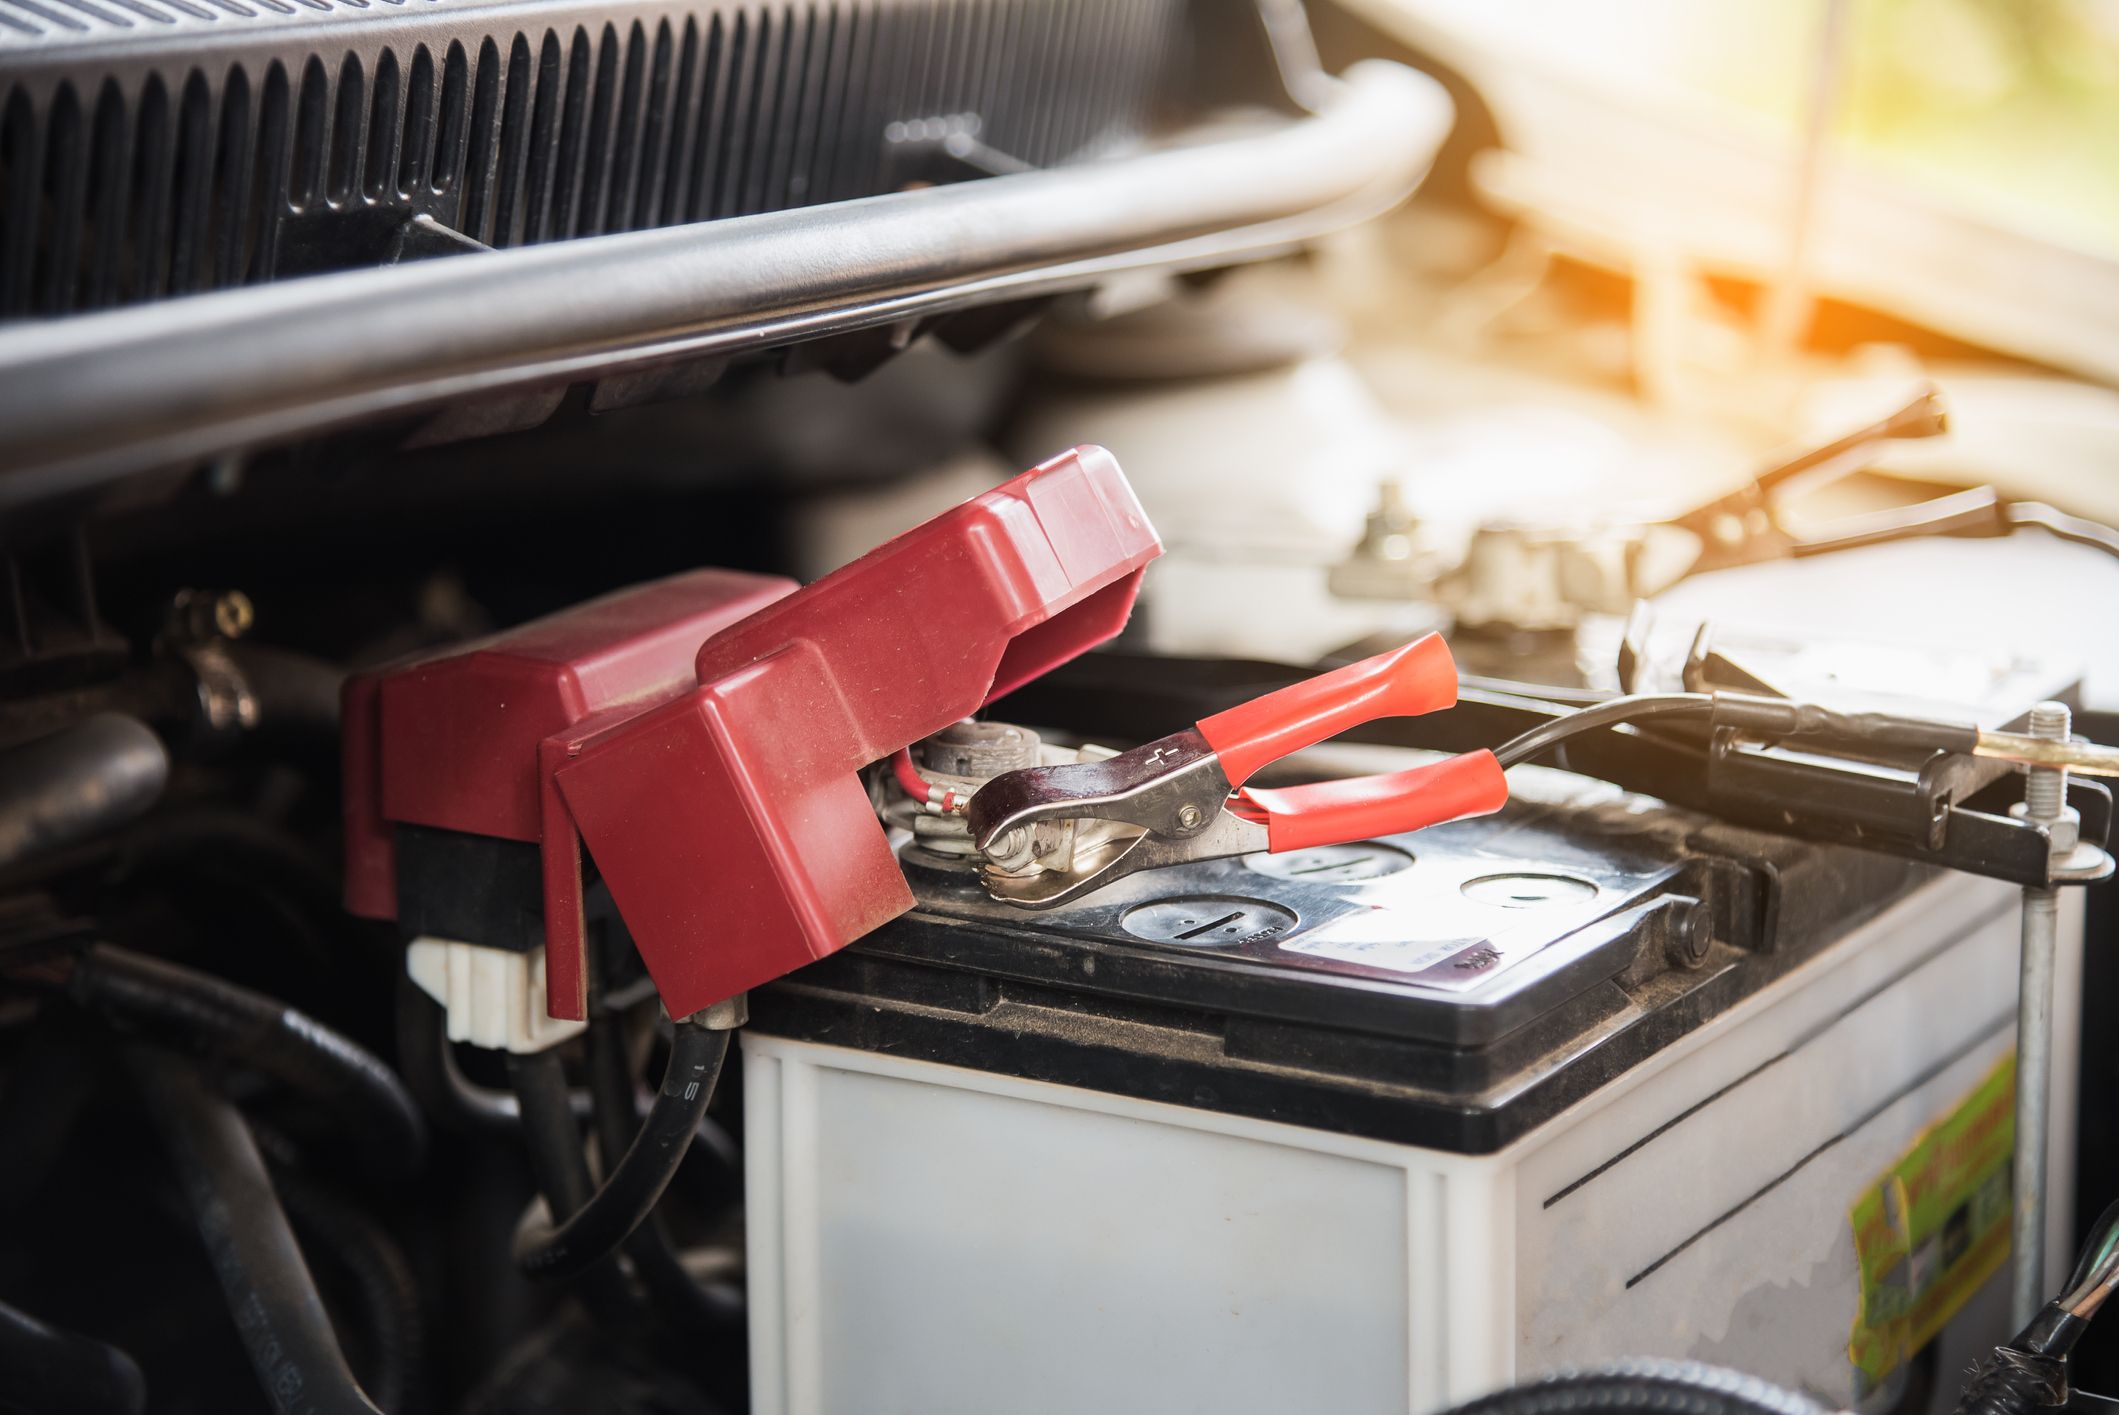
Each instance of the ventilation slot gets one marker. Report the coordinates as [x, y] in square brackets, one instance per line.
[119, 190]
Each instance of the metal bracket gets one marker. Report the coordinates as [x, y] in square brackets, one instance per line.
[1947, 810]
[938, 151]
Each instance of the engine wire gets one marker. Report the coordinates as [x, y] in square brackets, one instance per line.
[1613, 713]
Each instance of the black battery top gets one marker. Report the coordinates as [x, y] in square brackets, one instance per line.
[1450, 989]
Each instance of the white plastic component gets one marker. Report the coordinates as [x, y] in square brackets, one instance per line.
[936, 1239]
[495, 997]
[1259, 484]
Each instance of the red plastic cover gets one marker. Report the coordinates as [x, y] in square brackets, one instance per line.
[452, 741]
[722, 805]
[730, 824]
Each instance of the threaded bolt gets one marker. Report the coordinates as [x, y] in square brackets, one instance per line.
[2045, 789]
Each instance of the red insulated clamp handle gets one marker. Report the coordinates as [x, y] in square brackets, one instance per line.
[1421, 677]
[1364, 807]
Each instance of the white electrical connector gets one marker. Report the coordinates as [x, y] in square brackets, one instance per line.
[494, 997]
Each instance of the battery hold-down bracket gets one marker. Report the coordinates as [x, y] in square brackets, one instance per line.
[702, 736]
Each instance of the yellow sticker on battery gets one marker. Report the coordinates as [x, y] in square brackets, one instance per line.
[1934, 1227]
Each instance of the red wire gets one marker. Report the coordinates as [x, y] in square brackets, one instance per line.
[909, 779]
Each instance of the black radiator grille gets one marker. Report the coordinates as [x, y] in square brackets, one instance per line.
[145, 179]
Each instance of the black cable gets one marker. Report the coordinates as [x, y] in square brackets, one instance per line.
[630, 1190]
[560, 1171]
[546, 1111]
[205, 1015]
[711, 1174]
[1646, 1388]
[715, 1307]
[2089, 1286]
[46, 1370]
[1547, 735]
[269, 1290]
[429, 1068]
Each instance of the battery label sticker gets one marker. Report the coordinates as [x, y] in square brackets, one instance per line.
[1376, 938]
[1933, 1228]
[1464, 938]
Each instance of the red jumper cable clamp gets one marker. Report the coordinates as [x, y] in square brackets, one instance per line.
[1052, 834]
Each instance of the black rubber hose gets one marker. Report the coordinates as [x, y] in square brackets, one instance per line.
[269, 1290]
[633, 1185]
[350, 1245]
[46, 1370]
[682, 1299]
[205, 1015]
[78, 782]
[294, 693]
[1646, 1387]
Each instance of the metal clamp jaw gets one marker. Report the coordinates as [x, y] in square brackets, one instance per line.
[1052, 834]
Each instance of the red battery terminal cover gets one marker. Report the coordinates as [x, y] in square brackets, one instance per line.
[702, 736]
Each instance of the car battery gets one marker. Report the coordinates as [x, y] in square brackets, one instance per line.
[1380, 1127]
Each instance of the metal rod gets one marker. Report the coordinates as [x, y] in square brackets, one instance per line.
[1788, 300]
[89, 399]
[2045, 797]
[2034, 1076]
[2089, 758]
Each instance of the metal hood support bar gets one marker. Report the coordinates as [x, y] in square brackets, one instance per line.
[88, 400]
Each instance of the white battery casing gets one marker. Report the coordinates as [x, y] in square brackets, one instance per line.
[929, 1239]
